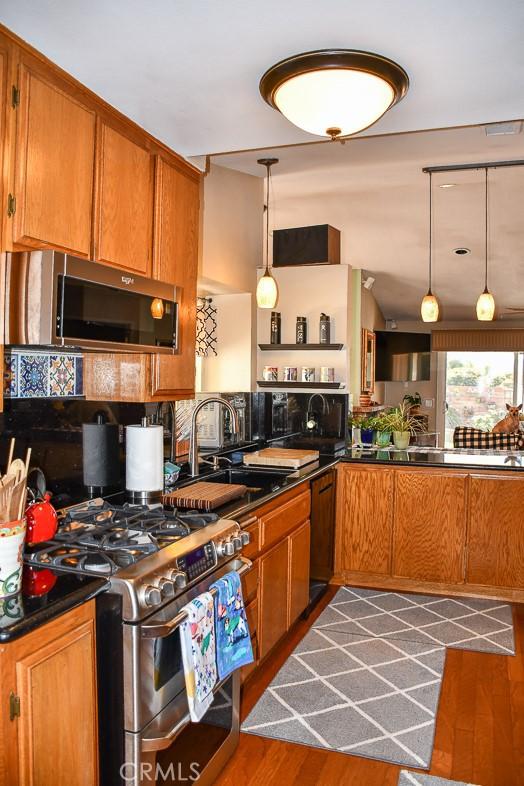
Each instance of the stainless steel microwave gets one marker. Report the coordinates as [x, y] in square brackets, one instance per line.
[54, 299]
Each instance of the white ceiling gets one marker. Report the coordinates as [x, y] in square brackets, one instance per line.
[373, 190]
[188, 70]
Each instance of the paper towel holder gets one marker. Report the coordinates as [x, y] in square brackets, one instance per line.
[147, 496]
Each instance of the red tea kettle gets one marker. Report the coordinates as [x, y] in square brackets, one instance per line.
[42, 521]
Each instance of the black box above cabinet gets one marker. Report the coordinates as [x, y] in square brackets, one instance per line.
[318, 245]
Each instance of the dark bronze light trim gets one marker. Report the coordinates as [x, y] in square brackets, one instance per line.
[331, 59]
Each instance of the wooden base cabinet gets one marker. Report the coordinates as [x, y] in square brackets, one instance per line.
[365, 519]
[496, 531]
[274, 596]
[430, 529]
[429, 526]
[280, 551]
[49, 708]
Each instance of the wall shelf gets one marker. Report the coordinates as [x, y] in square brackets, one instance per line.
[299, 347]
[309, 385]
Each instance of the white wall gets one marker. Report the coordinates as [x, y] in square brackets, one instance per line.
[230, 370]
[232, 231]
[307, 291]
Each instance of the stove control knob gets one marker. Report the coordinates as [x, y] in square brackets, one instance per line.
[167, 588]
[152, 596]
[237, 543]
[178, 578]
[245, 538]
[225, 548]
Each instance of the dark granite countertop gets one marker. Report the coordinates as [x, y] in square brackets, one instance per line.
[427, 457]
[45, 595]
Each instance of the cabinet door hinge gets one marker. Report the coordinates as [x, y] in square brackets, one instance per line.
[14, 706]
[15, 96]
[11, 205]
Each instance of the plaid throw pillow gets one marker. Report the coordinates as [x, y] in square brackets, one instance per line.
[467, 437]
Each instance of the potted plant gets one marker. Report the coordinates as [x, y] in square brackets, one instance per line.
[402, 425]
[413, 402]
[354, 423]
[367, 430]
[382, 430]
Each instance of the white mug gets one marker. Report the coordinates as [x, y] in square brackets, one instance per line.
[308, 374]
[327, 374]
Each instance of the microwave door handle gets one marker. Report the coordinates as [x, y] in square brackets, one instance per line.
[160, 630]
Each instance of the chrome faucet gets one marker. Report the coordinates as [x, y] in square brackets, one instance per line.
[193, 439]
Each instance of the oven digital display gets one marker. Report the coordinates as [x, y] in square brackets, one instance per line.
[195, 556]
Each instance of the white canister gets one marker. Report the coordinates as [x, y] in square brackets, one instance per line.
[327, 374]
[12, 537]
[270, 373]
[11, 610]
[308, 374]
[145, 461]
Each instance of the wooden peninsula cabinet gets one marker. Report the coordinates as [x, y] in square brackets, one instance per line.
[49, 701]
[430, 529]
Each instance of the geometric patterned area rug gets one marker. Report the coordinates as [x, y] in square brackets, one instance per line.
[416, 779]
[365, 680]
[463, 623]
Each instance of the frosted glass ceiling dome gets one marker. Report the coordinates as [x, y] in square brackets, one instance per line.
[335, 92]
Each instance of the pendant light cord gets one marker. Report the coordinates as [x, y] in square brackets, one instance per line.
[268, 166]
[430, 229]
[486, 232]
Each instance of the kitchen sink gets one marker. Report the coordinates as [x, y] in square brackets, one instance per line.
[253, 479]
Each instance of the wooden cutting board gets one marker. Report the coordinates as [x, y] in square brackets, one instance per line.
[281, 457]
[204, 496]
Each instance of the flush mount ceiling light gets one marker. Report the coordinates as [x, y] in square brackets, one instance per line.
[267, 289]
[429, 310]
[334, 92]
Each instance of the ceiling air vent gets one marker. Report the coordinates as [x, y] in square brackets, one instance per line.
[504, 129]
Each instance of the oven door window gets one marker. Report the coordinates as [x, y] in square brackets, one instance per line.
[97, 312]
[167, 659]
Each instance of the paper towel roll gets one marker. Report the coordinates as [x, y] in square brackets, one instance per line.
[144, 458]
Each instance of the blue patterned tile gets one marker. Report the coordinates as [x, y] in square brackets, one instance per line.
[62, 375]
[10, 375]
[33, 376]
[42, 375]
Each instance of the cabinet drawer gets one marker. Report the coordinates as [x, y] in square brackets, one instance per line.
[277, 524]
[253, 547]
[250, 583]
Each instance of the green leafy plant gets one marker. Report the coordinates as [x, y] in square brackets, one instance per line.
[413, 399]
[381, 423]
[368, 424]
[399, 419]
[355, 421]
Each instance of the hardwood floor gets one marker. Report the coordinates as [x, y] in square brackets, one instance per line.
[479, 735]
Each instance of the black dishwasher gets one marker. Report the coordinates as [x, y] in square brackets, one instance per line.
[322, 550]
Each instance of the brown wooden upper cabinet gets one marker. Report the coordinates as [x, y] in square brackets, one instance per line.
[177, 210]
[54, 165]
[124, 202]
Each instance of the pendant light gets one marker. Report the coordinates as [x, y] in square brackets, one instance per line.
[334, 92]
[486, 301]
[267, 289]
[429, 309]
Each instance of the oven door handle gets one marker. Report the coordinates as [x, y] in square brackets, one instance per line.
[152, 744]
[160, 630]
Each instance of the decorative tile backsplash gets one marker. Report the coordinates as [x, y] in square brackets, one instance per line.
[43, 375]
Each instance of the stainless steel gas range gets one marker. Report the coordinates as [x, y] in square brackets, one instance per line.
[156, 561]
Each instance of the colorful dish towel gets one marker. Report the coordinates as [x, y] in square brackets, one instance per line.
[233, 642]
[197, 638]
